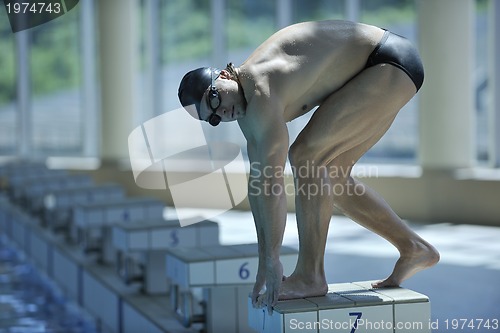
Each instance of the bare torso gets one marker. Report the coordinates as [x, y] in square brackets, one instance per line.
[296, 69]
[301, 65]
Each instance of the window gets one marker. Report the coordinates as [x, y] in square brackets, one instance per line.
[316, 10]
[8, 121]
[186, 43]
[249, 23]
[56, 113]
[193, 33]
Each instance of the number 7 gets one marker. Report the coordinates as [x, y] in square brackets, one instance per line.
[358, 317]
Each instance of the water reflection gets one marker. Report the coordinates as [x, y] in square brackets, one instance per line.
[31, 303]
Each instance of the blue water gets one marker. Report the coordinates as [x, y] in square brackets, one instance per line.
[32, 303]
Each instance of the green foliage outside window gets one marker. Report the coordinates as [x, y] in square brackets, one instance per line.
[186, 27]
[7, 61]
[54, 55]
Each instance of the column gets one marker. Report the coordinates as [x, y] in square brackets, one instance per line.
[219, 36]
[88, 60]
[494, 56]
[154, 71]
[352, 10]
[283, 13]
[118, 53]
[24, 114]
[447, 116]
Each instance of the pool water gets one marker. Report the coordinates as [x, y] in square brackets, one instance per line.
[32, 303]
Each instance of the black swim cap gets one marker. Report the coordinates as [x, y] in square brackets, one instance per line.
[194, 84]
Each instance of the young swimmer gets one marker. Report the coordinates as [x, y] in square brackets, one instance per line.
[359, 76]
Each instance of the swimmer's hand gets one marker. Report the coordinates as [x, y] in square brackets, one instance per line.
[260, 281]
[273, 278]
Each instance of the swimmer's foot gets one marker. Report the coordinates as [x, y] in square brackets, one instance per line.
[293, 287]
[421, 256]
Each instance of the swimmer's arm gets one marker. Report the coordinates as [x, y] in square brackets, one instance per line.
[267, 140]
[259, 220]
[253, 191]
[267, 151]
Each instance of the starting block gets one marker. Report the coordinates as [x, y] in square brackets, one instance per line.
[92, 222]
[32, 192]
[17, 180]
[210, 285]
[17, 170]
[347, 307]
[58, 204]
[142, 246]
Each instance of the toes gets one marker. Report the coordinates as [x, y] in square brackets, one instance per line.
[381, 284]
[385, 284]
[270, 309]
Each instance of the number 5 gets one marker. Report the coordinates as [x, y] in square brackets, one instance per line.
[174, 238]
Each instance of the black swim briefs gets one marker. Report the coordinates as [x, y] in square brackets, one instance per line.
[398, 51]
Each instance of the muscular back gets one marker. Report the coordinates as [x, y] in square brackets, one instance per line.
[302, 64]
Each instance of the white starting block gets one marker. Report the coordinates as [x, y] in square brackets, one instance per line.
[142, 247]
[220, 279]
[18, 168]
[34, 191]
[92, 222]
[347, 307]
[15, 180]
[59, 203]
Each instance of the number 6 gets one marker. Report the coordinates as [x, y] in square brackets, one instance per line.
[244, 272]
